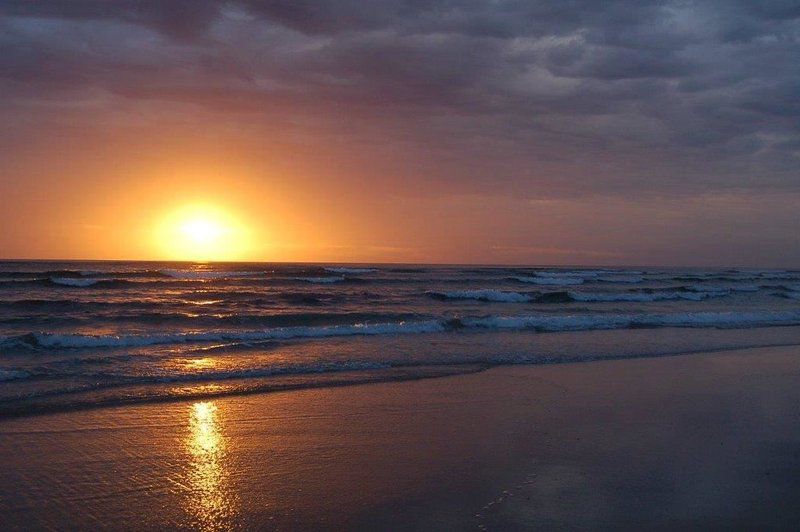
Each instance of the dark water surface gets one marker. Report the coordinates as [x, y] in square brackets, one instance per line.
[76, 335]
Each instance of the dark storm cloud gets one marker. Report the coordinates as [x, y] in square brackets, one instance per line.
[568, 97]
[177, 18]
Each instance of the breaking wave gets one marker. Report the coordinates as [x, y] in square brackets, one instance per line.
[321, 280]
[483, 295]
[622, 279]
[639, 297]
[70, 281]
[726, 287]
[47, 340]
[582, 322]
[351, 270]
[537, 322]
[548, 280]
[205, 274]
[498, 296]
[576, 273]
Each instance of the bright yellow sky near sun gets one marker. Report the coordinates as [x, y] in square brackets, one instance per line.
[203, 232]
[218, 211]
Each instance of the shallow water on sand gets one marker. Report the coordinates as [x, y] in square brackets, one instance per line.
[701, 441]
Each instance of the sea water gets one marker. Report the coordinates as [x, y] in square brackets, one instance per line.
[83, 334]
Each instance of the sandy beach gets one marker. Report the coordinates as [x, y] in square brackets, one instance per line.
[696, 441]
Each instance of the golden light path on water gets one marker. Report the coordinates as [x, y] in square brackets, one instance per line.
[210, 500]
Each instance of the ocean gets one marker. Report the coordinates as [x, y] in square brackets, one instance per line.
[79, 335]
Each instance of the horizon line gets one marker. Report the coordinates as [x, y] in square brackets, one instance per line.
[378, 263]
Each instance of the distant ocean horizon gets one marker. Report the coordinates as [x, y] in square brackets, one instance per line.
[80, 334]
[189, 263]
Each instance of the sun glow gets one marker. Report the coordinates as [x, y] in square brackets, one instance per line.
[202, 233]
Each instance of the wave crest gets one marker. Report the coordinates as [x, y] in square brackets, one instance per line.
[549, 280]
[75, 341]
[321, 280]
[71, 281]
[537, 322]
[351, 270]
[483, 295]
[207, 274]
[583, 322]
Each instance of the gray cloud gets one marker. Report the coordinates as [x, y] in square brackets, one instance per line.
[182, 19]
[535, 98]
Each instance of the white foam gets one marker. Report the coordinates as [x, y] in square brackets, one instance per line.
[68, 281]
[321, 280]
[485, 295]
[626, 279]
[279, 333]
[550, 322]
[569, 273]
[724, 287]
[639, 297]
[778, 275]
[557, 281]
[580, 322]
[205, 274]
[351, 270]
[537, 322]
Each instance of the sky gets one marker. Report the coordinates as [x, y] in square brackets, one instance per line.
[444, 131]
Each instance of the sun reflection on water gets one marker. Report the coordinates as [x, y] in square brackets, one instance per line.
[200, 363]
[210, 500]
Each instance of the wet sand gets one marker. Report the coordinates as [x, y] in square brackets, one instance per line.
[705, 440]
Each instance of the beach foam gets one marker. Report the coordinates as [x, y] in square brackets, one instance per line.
[549, 280]
[580, 322]
[538, 322]
[351, 270]
[483, 295]
[321, 280]
[49, 340]
[69, 281]
[623, 279]
[575, 273]
[639, 297]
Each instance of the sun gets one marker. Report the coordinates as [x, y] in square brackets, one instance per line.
[202, 233]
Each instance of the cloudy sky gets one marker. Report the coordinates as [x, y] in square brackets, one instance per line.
[488, 131]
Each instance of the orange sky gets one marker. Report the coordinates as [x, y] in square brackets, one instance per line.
[110, 203]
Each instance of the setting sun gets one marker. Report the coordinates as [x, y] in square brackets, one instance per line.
[202, 232]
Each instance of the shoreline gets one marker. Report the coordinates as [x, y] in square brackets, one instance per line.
[246, 386]
[696, 441]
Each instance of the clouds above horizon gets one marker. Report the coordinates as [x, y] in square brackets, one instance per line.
[566, 96]
[517, 98]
